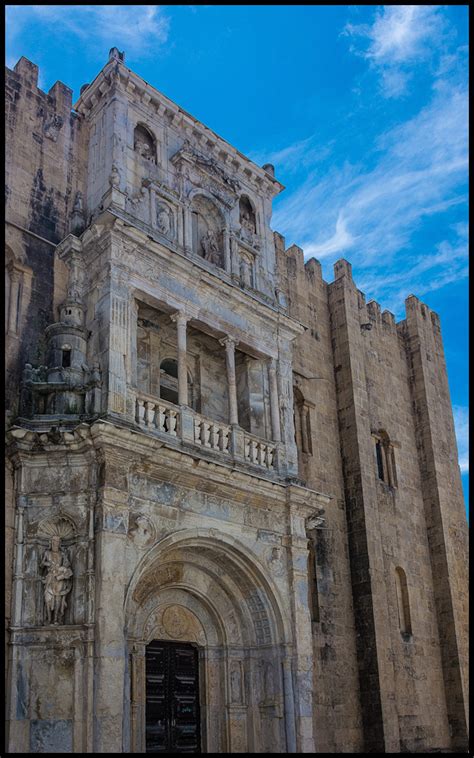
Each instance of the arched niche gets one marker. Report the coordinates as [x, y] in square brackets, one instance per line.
[247, 215]
[144, 142]
[207, 590]
[207, 228]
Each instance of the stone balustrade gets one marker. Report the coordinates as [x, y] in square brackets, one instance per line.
[259, 452]
[211, 434]
[156, 415]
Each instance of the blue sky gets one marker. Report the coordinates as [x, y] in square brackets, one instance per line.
[362, 109]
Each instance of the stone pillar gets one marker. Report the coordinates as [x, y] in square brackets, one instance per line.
[180, 319]
[110, 651]
[287, 412]
[289, 705]
[274, 400]
[227, 264]
[13, 309]
[188, 230]
[230, 344]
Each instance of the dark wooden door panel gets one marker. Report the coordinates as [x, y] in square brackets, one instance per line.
[172, 698]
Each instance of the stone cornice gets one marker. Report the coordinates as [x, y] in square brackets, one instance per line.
[115, 74]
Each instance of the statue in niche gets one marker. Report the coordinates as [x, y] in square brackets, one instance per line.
[57, 582]
[163, 220]
[210, 247]
[246, 220]
[143, 148]
[247, 216]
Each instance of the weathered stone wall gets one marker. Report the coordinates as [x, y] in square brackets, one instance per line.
[402, 686]
[45, 167]
[444, 504]
[337, 715]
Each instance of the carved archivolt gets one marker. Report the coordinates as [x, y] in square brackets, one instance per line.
[174, 622]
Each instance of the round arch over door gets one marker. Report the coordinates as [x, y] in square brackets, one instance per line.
[194, 588]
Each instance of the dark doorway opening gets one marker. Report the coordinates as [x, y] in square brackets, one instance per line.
[172, 698]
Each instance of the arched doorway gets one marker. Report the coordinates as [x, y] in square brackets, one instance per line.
[196, 589]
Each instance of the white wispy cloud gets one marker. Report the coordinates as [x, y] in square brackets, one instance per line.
[400, 37]
[290, 158]
[461, 424]
[418, 169]
[139, 29]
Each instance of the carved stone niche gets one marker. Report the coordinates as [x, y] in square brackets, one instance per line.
[208, 226]
[246, 269]
[144, 143]
[60, 566]
[165, 219]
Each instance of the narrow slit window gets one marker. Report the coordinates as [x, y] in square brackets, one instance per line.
[404, 615]
[378, 453]
[313, 584]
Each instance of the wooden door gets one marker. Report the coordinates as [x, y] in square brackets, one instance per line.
[172, 698]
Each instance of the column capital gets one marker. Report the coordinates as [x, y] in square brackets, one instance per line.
[179, 317]
[228, 342]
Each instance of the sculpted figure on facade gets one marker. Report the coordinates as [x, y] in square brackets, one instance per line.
[164, 221]
[57, 581]
[210, 247]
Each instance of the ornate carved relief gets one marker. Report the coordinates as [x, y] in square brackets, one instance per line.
[165, 221]
[276, 561]
[141, 531]
[174, 622]
[57, 581]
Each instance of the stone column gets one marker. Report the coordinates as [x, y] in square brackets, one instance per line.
[15, 277]
[111, 524]
[274, 400]
[180, 319]
[188, 229]
[225, 237]
[230, 344]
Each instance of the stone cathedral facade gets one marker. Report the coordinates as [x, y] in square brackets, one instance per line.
[234, 514]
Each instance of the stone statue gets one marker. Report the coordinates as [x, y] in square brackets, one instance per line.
[246, 220]
[114, 178]
[57, 582]
[142, 148]
[78, 206]
[163, 220]
[210, 248]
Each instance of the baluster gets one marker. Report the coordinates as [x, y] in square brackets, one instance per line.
[149, 407]
[171, 422]
[262, 449]
[215, 437]
[270, 453]
[140, 411]
[246, 448]
[197, 431]
[254, 451]
[161, 418]
[224, 439]
[206, 432]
